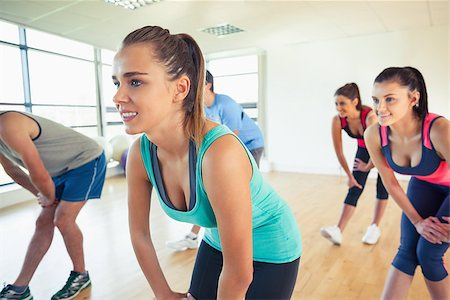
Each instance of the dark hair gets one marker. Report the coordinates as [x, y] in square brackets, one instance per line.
[413, 79]
[210, 79]
[181, 55]
[351, 91]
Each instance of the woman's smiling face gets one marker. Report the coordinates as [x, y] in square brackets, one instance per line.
[144, 94]
[392, 102]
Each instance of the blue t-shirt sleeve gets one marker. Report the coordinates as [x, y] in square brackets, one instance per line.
[232, 115]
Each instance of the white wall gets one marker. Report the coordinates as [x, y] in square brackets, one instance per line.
[302, 79]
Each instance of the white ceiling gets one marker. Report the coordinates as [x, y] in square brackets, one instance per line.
[266, 23]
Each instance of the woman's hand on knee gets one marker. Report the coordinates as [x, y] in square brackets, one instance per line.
[432, 230]
[446, 227]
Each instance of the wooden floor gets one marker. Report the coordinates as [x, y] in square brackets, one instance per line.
[351, 271]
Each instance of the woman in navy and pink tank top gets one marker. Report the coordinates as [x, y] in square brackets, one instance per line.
[354, 118]
[411, 141]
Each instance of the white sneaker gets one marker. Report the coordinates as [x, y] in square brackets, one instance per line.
[372, 235]
[332, 233]
[190, 241]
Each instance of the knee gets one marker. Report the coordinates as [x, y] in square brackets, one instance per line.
[62, 223]
[44, 223]
[353, 196]
[406, 261]
[431, 260]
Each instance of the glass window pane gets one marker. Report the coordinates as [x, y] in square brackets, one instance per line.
[54, 43]
[114, 130]
[55, 79]
[9, 32]
[4, 179]
[107, 56]
[88, 131]
[242, 88]
[108, 88]
[252, 113]
[11, 86]
[233, 65]
[13, 107]
[113, 117]
[68, 116]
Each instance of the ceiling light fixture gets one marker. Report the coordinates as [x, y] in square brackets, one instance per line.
[222, 30]
[131, 4]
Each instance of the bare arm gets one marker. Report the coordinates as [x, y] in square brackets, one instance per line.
[19, 176]
[337, 143]
[231, 201]
[440, 137]
[139, 197]
[372, 139]
[16, 131]
[371, 119]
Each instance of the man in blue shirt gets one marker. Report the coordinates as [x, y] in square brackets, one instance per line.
[224, 110]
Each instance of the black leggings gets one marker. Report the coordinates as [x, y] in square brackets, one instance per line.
[361, 177]
[270, 281]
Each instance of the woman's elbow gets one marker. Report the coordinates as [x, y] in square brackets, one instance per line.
[244, 277]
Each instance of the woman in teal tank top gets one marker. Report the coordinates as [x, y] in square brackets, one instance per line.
[202, 174]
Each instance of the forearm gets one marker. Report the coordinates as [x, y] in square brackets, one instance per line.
[234, 282]
[148, 261]
[23, 180]
[44, 185]
[232, 286]
[403, 202]
[344, 165]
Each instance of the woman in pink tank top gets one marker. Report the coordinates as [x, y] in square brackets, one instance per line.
[409, 140]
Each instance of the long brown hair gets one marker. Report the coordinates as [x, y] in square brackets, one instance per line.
[351, 91]
[181, 55]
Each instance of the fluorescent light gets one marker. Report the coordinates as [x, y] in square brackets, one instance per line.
[131, 4]
[221, 30]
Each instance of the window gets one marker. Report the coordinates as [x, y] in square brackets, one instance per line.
[9, 33]
[238, 78]
[4, 179]
[56, 79]
[114, 124]
[11, 86]
[49, 42]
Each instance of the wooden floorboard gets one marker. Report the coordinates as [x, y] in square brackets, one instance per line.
[351, 271]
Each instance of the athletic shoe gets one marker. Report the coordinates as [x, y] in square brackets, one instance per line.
[190, 241]
[8, 294]
[372, 235]
[74, 285]
[332, 233]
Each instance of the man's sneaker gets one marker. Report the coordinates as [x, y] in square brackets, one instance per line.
[190, 241]
[372, 235]
[8, 293]
[74, 285]
[332, 233]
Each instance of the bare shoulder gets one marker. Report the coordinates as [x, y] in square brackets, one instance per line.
[135, 163]
[15, 125]
[440, 126]
[227, 159]
[440, 132]
[225, 149]
[11, 118]
[371, 134]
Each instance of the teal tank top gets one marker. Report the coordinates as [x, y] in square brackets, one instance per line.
[275, 233]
